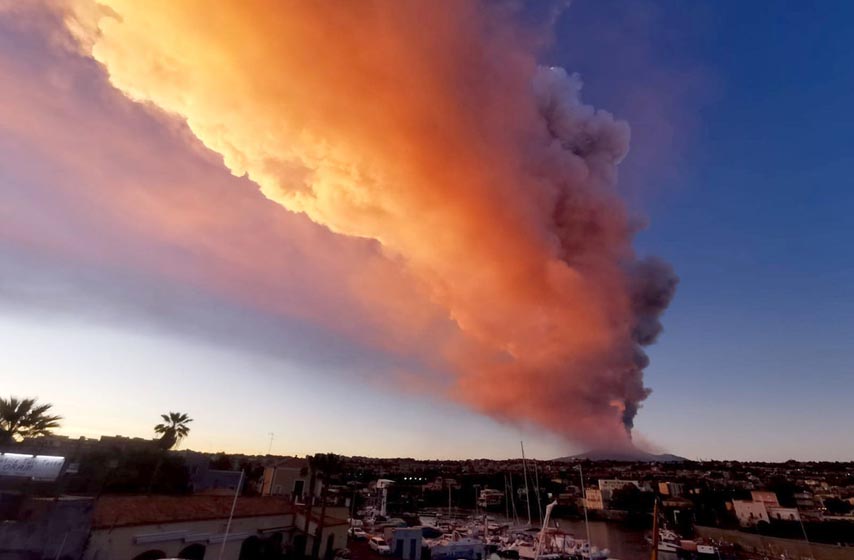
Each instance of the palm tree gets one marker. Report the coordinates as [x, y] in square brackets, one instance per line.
[22, 419]
[173, 430]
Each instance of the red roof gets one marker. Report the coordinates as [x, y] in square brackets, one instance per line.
[119, 511]
[292, 463]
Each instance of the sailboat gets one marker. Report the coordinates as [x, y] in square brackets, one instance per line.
[587, 550]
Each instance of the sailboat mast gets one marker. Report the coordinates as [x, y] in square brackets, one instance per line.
[513, 497]
[525, 472]
[506, 499]
[584, 502]
[654, 552]
[537, 491]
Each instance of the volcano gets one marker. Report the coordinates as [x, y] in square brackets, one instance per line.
[624, 455]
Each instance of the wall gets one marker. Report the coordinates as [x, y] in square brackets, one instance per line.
[749, 513]
[336, 519]
[787, 514]
[47, 528]
[767, 498]
[593, 499]
[773, 546]
[119, 543]
[279, 481]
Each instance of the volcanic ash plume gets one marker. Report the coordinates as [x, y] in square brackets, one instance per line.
[431, 130]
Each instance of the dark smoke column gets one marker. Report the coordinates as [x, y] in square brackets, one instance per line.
[653, 283]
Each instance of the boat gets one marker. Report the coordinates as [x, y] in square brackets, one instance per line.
[667, 541]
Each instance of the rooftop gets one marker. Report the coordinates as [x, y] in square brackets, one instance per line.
[121, 511]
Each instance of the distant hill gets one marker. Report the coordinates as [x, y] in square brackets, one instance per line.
[628, 455]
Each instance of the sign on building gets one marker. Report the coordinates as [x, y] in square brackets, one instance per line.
[35, 467]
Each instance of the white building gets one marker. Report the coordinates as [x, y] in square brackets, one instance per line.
[194, 527]
[749, 513]
[783, 513]
[289, 477]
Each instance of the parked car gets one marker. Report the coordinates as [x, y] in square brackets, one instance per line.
[358, 533]
[379, 545]
[342, 554]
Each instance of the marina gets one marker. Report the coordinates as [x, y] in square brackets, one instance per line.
[462, 536]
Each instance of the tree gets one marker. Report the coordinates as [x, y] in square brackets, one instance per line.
[327, 465]
[835, 506]
[22, 419]
[321, 466]
[173, 430]
[785, 490]
[221, 462]
[630, 498]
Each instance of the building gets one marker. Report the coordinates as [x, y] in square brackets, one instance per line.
[593, 499]
[289, 477]
[441, 484]
[490, 498]
[196, 527]
[31, 474]
[44, 527]
[783, 514]
[406, 543]
[767, 498]
[205, 480]
[671, 488]
[380, 501]
[806, 500]
[749, 513]
[465, 548]
[607, 487]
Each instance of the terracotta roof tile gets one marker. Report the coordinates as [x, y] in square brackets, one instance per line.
[119, 511]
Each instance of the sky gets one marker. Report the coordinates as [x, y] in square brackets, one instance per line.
[155, 256]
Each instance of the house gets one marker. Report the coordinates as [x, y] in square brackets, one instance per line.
[197, 527]
[783, 513]
[749, 513]
[407, 543]
[806, 500]
[671, 488]
[205, 480]
[767, 498]
[607, 487]
[593, 499]
[289, 477]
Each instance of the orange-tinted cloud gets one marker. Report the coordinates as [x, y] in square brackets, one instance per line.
[106, 199]
[431, 130]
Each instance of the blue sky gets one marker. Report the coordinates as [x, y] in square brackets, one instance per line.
[741, 162]
[756, 217]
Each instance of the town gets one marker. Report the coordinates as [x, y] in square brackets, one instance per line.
[116, 497]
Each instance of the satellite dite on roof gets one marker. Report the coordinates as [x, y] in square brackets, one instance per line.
[34, 467]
